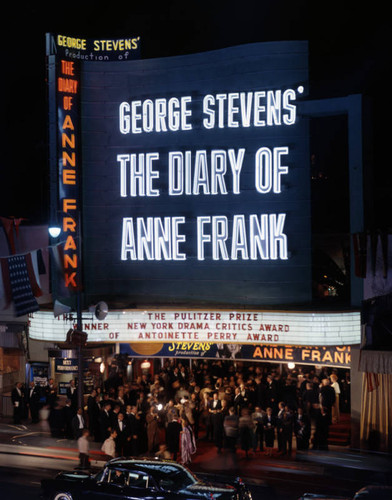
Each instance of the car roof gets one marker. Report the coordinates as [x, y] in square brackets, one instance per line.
[131, 463]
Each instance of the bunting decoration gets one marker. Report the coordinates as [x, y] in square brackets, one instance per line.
[8, 226]
[11, 224]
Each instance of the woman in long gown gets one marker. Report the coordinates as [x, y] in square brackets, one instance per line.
[188, 442]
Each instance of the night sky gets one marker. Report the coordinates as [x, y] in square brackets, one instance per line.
[349, 54]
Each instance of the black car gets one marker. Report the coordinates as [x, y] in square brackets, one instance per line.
[127, 478]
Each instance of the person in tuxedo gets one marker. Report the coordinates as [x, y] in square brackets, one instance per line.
[114, 415]
[67, 416]
[33, 397]
[78, 424]
[287, 431]
[238, 401]
[51, 394]
[17, 399]
[93, 412]
[133, 427]
[320, 438]
[72, 395]
[173, 431]
[214, 410]
[105, 421]
[327, 397]
[271, 392]
[302, 429]
[122, 429]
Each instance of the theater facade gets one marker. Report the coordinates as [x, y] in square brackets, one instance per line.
[184, 190]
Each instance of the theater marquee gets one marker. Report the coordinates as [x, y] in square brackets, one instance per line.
[225, 327]
[304, 355]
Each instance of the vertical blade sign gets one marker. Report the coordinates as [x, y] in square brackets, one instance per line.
[68, 90]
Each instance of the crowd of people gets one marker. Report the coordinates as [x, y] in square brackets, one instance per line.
[232, 405]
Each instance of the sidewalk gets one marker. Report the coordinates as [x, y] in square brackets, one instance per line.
[339, 462]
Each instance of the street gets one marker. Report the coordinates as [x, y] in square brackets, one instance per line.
[29, 454]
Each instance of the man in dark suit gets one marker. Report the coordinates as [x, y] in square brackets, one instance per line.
[33, 397]
[122, 428]
[133, 426]
[214, 410]
[302, 429]
[78, 424]
[72, 395]
[17, 398]
[105, 421]
[67, 416]
[327, 397]
[238, 401]
[51, 393]
[271, 392]
[93, 412]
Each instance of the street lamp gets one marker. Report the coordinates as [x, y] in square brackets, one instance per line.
[54, 231]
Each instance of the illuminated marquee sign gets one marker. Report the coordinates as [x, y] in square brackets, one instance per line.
[68, 90]
[196, 177]
[225, 327]
[325, 356]
[65, 55]
[93, 49]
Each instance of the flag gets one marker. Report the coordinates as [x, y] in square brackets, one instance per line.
[22, 290]
[38, 264]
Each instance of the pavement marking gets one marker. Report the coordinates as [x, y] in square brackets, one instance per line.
[47, 455]
[18, 428]
[24, 435]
